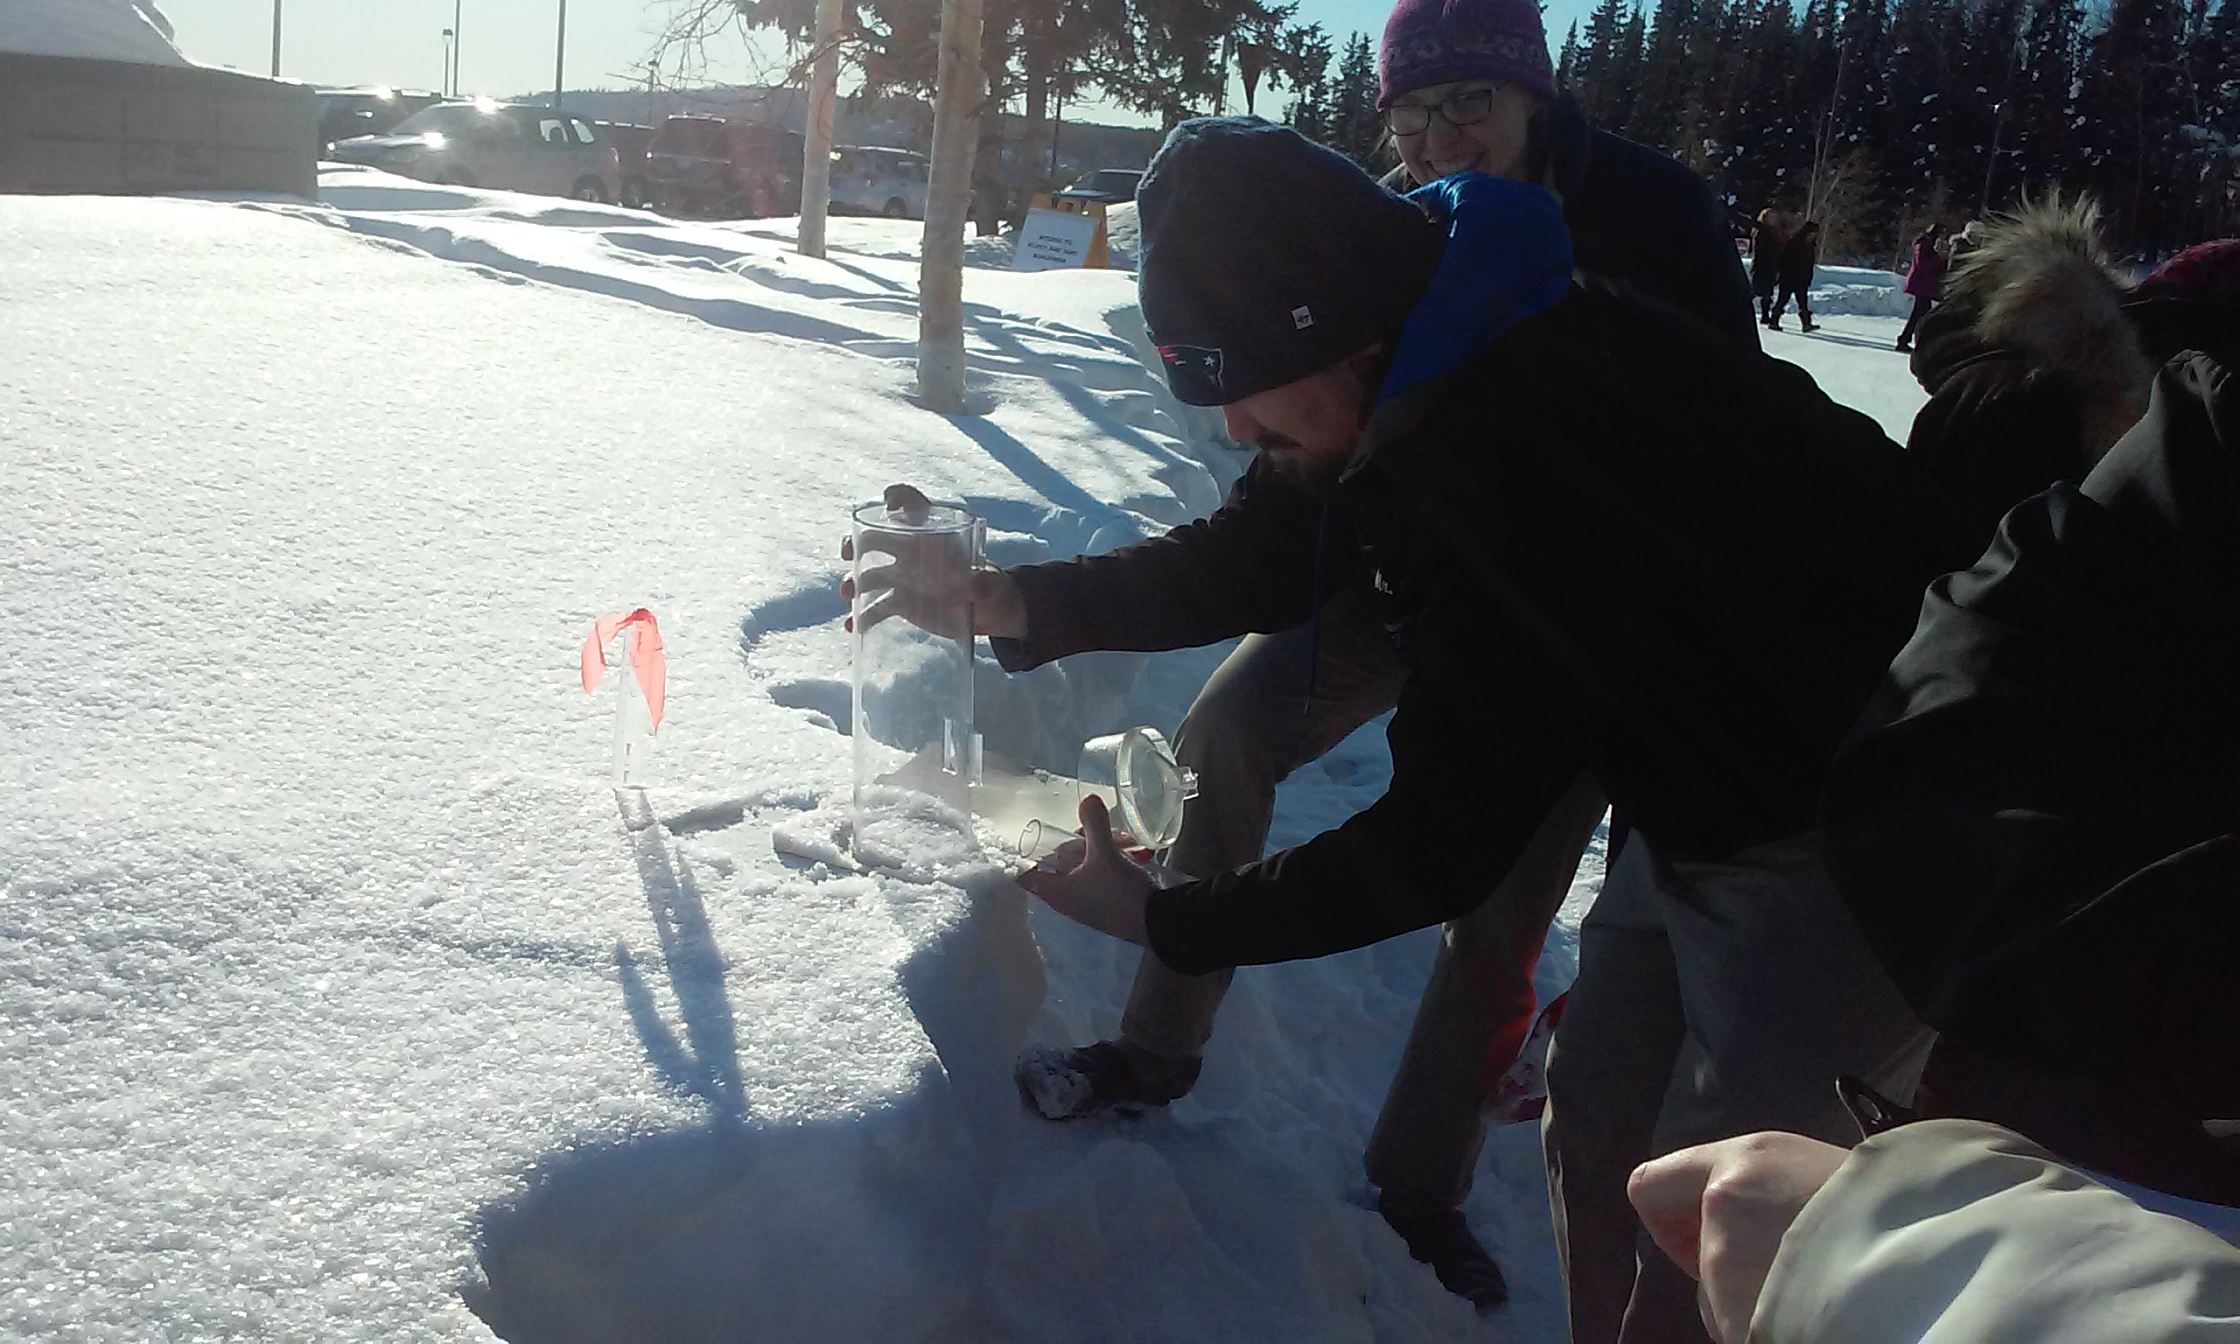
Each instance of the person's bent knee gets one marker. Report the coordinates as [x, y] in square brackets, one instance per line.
[1248, 714]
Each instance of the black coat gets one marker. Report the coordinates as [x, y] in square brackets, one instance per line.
[1645, 219]
[1998, 426]
[2040, 828]
[1605, 543]
[1798, 257]
[1765, 257]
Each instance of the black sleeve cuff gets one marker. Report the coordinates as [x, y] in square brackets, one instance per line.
[1167, 929]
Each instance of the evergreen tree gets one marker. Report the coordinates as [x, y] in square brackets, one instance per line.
[1887, 113]
[1355, 128]
[1593, 62]
[1622, 82]
[1910, 124]
[2130, 102]
[1309, 112]
[2041, 111]
[1754, 127]
[1665, 73]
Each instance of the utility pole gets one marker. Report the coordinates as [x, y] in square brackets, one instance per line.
[1991, 169]
[560, 57]
[456, 7]
[443, 86]
[1825, 146]
[276, 39]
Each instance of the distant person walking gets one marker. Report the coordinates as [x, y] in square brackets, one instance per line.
[1924, 279]
[1767, 233]
[1799, 256]
[1971, 237]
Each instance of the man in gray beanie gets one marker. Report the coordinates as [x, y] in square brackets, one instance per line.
[1464, 85]
[1619, 557]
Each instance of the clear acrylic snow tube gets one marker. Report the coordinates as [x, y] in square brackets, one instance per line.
[916, 755]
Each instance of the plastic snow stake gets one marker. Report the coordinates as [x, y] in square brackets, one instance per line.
[640, 697]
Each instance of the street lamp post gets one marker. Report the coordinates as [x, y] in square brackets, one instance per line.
[443, 86]
[276, 39]
[560, 58]
[457, 33]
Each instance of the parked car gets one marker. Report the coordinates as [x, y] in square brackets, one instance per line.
[1110, 185]
[510, 146]
[347, 113]
[709, 166]
[872, 181]
[632, 145]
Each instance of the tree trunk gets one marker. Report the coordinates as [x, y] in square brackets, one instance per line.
[948, 199]
[988, 188]
[816, 153]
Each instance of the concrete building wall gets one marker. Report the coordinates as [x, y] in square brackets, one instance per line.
[116, 128]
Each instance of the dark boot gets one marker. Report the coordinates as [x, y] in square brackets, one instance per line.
[1107, 1076]
[1437, 1235]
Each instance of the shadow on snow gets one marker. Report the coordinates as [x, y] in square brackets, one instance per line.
[747, 1228]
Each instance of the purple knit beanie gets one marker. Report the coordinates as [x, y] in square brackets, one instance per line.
[1430, 42]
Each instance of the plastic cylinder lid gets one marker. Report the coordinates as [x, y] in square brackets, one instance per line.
[1152, 787]
[904, 509]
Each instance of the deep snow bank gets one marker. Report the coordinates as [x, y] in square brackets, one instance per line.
[109, 30]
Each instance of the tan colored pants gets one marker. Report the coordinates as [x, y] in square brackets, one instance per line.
[1251, 726]
[1713, 999]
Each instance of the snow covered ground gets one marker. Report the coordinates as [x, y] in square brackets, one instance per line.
[338, 992]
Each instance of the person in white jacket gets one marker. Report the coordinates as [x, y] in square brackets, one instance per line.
[1953, 1231]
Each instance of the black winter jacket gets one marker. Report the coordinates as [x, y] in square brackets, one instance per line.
[1998, 427]
[1644, 218]
[1765, 257]
[1799, 256]
[1606, 543]
[2040, 832]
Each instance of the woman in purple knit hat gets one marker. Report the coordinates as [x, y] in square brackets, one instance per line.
[1466, 86]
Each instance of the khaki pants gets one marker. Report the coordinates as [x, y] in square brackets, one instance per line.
[1713, 999]
[1251, 726]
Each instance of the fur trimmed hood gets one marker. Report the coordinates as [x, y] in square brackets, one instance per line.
[2041, 288]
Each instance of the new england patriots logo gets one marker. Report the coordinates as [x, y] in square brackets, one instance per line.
[1194, 371]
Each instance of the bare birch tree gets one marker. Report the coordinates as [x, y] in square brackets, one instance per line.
[956, 116]
[816, 152]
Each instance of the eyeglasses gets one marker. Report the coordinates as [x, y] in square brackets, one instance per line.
[1462, 109]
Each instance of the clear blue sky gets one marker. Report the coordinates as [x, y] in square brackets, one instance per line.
[507, 45]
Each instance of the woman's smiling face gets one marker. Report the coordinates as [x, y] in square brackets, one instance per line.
[1493, 144]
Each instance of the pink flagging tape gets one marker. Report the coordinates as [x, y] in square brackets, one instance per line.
[647, 662]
